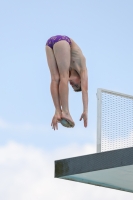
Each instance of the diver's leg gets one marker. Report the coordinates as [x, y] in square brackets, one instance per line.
[62, 55]
[55, 79]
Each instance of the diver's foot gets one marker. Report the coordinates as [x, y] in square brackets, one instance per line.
[66, 120]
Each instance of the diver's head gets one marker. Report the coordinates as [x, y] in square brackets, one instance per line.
[75, 81]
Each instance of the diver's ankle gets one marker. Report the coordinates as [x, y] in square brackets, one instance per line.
[58, 111]
[66, 112]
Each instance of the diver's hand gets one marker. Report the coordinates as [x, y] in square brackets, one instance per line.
[55, 120]
[84, 116]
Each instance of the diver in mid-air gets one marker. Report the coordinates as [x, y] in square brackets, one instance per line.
[67, 64]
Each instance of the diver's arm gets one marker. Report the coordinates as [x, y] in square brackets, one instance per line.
[84, 88]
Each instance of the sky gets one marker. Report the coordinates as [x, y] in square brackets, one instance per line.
[28, 145]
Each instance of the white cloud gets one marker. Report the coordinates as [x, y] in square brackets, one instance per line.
[5, 125]
[27, 173]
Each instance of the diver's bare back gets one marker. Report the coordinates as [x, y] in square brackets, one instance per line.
[77, 58]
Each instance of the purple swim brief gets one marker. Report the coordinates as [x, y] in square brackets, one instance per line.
[51, 41]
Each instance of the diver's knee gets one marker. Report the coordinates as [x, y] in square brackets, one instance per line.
[55, 79]
[64, 76]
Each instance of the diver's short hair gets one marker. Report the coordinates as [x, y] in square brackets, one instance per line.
[78, 90]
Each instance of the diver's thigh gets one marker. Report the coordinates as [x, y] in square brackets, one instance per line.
[52, 63]
[62, 55]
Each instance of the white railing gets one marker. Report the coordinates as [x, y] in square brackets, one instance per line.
[114, 120]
